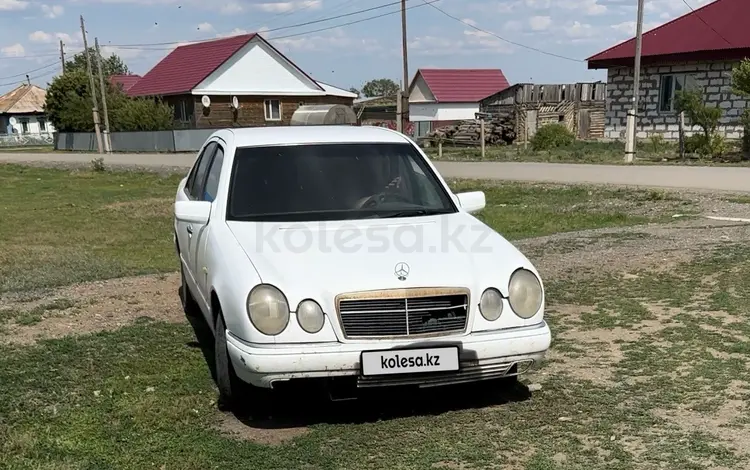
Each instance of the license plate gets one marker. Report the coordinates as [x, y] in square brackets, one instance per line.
[409, 361]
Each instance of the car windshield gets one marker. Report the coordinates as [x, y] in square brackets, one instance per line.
[333, 182]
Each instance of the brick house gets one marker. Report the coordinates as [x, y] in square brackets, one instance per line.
[268, 86]
[439, 97]
[695, 51]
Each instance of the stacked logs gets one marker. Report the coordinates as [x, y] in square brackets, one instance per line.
[497, 131]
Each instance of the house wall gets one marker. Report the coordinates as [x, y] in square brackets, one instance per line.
[420, 92]
[442, 111]
[251, 112]
[33, 127]
[714, 78]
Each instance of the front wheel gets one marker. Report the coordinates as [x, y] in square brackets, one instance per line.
[226, 378]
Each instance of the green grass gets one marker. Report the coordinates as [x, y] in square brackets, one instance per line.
[141, 397]
[612, 153]
[62, 227]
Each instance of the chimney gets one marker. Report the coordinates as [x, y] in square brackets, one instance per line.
[28, 80]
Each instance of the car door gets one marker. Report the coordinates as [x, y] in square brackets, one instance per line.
[186, 232]
[198, 257]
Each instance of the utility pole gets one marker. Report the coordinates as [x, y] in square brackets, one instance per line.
[404, 95]
[632, 119]
[95, 109]
[107, 140]
[62, 55]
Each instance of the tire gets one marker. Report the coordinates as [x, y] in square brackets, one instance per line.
[189, 305]
[230, 386]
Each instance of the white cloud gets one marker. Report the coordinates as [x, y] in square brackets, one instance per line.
[40, 36]
[628, 27]
[206, 27]
[499, 6]
[335, 38]
[234, 32]
[15, 50]
[513, 25]
[540, 23]
[283, 7]
[588, 7]
[473, 43]
[43, 37]
[231, 8]
[7, 5]
[579, 30]
[469, 21]
[538, 4]
[53, 11]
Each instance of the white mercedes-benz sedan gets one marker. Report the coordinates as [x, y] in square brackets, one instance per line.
[339, 253]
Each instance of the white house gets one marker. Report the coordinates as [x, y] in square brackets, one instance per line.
[438, 97]
[22, 112]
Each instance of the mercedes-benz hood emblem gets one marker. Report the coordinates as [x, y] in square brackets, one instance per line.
[402, 271]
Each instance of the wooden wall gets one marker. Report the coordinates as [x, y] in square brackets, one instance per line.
[251, 112]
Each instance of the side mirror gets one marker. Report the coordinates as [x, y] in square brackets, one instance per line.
[472, 202]
[197, 212]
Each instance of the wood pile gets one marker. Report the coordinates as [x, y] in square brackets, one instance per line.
[497, 131]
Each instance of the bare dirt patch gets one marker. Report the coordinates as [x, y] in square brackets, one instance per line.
[96, 306]
[230, 426]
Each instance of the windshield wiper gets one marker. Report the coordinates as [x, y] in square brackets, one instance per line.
[413, 213]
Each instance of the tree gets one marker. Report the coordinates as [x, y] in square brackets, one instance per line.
[355, 91]
[68, 103]
[112, 65]
[706, 117]
[741, 86]
[380, 87]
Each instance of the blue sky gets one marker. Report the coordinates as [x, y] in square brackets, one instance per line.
[345, 56]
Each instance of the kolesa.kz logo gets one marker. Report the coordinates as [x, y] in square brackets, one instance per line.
[402, 362]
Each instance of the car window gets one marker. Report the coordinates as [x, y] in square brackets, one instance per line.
[194, 169]
[212, 181]
[196, 188]
[333, 182]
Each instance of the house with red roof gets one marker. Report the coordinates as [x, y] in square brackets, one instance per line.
[438, 97]
[695, 51]
[201, 81]
[124, 82]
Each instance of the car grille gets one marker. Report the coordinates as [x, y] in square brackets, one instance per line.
[403, 312]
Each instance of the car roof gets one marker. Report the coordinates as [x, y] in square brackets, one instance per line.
[284, 135]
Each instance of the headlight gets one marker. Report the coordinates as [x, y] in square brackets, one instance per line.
[268, 309]
[491, 304]
[310, 316]
[525, 293]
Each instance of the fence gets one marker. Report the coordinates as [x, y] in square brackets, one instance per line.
[25, 140]
[185, 140]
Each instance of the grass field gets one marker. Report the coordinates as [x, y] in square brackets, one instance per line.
[611, 153]
[648, 367]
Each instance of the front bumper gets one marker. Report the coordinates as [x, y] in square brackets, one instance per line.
[482, 356]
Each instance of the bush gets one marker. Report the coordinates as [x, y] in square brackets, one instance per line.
[711, 146]
[552, 136]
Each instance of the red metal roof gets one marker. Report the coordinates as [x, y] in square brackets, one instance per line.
[689, 36]
[462, 85]
[126, 81]
[187, 66]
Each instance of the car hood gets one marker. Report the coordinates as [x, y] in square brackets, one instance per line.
[327, 258]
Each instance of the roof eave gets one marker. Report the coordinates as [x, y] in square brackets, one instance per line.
[695, 56]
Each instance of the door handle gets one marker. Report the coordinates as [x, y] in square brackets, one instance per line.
[190, 230]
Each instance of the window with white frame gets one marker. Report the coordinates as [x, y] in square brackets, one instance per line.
[24, 126]
[273, 110]
[42, 125]
[669, 85]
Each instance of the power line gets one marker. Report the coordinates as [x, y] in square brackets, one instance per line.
[704, 22]
[297, 25]
[51, 54]
[30, 71]
[500, 37]
[30, 78]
